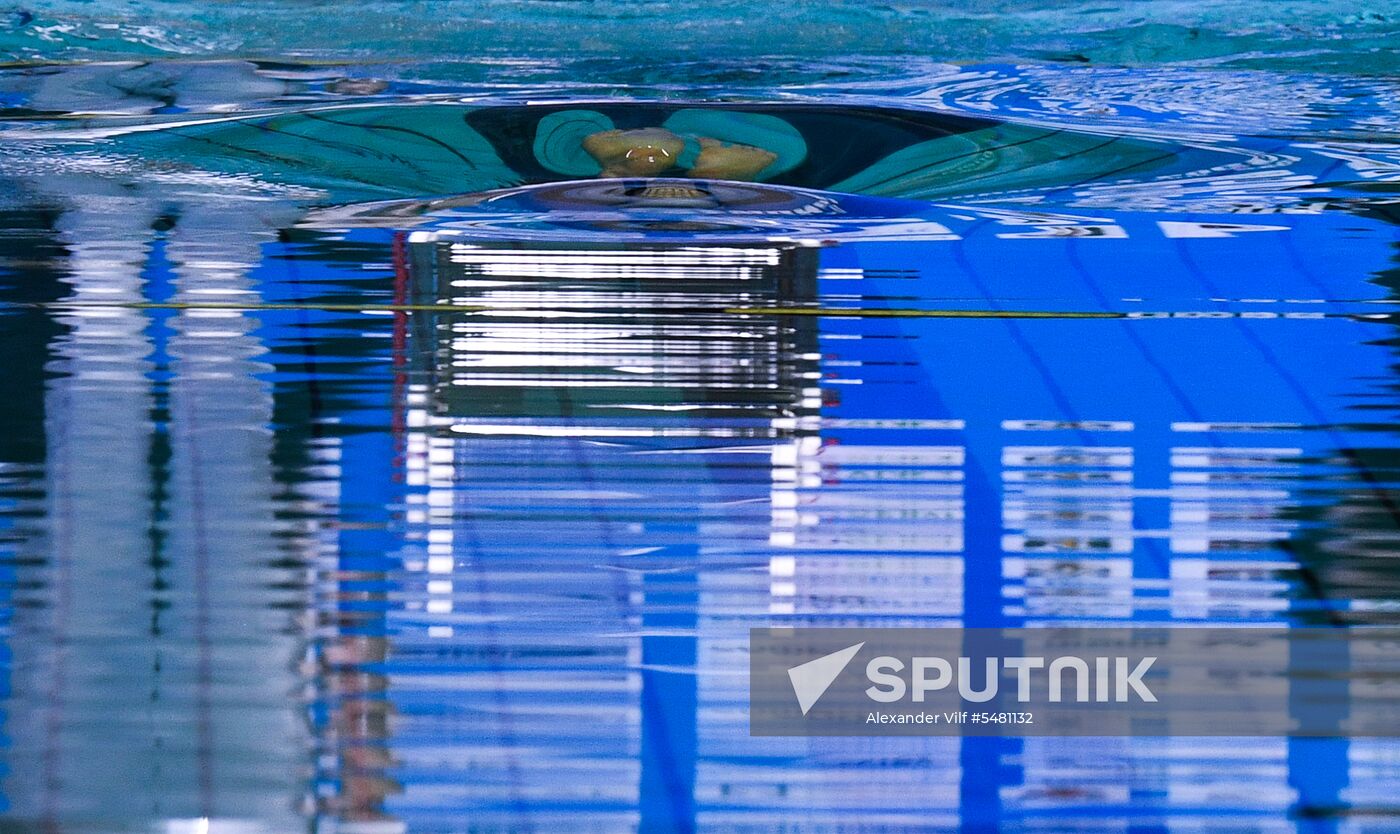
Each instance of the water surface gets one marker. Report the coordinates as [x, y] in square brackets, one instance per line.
[362, 472]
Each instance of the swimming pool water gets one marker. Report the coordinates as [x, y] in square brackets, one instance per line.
[371, 465]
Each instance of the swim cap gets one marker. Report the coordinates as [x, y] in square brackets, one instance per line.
[559, 141]
[735, 127]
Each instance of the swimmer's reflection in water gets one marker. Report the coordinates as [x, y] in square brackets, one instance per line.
[651, 151]
[436, 149]
[701, 144]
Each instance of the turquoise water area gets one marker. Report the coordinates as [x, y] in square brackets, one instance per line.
[410, 408]
[535, 38]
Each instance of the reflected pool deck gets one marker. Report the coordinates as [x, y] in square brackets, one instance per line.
[534, 531]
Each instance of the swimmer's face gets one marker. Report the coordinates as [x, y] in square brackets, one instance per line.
[648, 154]
[634, 153]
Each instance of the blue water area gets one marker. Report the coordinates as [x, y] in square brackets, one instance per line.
[409, 446]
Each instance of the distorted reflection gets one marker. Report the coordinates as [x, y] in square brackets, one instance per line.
[155, 639]
[452, 511]
[357, 151]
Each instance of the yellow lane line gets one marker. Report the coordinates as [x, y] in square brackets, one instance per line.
[846, 312]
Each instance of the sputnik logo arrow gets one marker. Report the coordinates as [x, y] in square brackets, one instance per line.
[811, 680]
